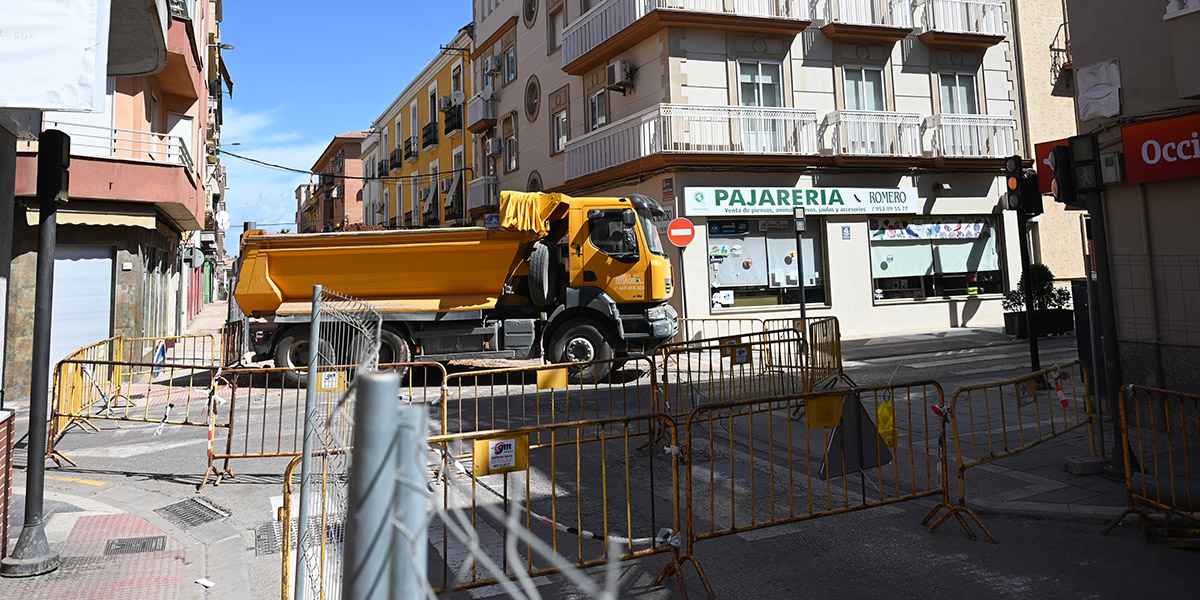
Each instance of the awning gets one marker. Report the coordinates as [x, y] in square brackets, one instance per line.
[144, 220]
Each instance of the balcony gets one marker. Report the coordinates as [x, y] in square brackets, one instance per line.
[395, 158]
[1062, 75]
[381, 169]
[481, 114]
[429, 135]
[614, 26]
[325, 180]
[867, 137]
[963, 23]
[410, 149]
[870, 21]
[454, 119]
[454, 201]
[972, 140]
[125, 165]
[675, 135]
[483, 193]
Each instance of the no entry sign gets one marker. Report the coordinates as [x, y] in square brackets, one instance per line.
[681, 232]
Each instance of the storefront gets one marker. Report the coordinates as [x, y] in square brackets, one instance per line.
[884, 260]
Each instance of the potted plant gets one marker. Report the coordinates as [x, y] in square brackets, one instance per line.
[1050, 315]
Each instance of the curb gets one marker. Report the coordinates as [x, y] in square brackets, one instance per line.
[1045, 510]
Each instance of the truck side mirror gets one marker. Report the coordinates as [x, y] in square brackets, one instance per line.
[629, 218]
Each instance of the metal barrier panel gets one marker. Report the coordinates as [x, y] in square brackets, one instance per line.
[496, 399]
[588, 496]
[752, 366]
[1161, 431]
[75, 384]
[198, 350]
[824, 338]
[698, 329]
[266, 413]
[994, 420]
[760, 463]
[232, 341]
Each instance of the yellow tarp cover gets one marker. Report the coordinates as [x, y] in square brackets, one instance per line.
[529, 211]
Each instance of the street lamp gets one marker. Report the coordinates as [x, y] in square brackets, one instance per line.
[801, 226]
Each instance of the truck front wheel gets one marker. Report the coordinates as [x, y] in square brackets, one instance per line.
[582, 341]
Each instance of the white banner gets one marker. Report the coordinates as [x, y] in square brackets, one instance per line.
[54, 55]
[775, 202]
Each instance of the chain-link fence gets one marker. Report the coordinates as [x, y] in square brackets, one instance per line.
[344, 341]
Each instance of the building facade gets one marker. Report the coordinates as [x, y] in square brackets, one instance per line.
[887, 122]
[306, 209]
[419, 166]
[1140, 93]
[138, 243]
[336, 196]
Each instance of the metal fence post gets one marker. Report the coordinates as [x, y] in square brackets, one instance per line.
[310, 414]
[369, 529]
[409, 543]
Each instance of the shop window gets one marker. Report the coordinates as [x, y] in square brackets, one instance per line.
[755, 263]
[932, 257]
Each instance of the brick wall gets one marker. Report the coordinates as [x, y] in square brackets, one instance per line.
[6, 443]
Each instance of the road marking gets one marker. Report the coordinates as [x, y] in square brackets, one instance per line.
[77, 480]
[960, 359]
[134, 449]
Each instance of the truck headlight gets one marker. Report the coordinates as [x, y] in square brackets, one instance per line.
[657, 313]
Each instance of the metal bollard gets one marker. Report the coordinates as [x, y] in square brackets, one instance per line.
[369, 530]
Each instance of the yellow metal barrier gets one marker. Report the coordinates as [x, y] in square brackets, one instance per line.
[496, 399]
[824, 347]
[991, 421]
[1161, 436]
[762, 463]
[75, 384]
[706, 328]
[744, 367]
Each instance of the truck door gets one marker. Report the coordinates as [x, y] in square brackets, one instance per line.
[605, 253]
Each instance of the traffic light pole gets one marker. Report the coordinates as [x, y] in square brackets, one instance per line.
[1035, 361]
[1108, 325]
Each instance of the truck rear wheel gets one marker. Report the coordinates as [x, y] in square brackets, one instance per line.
[582, 341]
[543, 273]
[394, 348]
[291, 353]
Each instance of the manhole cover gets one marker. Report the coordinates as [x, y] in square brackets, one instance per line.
[135, 545]
[192, 512]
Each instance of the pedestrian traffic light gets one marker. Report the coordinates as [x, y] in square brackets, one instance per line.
[1062, 185]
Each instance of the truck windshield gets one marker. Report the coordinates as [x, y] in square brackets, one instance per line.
[610, 234]
[653, 242]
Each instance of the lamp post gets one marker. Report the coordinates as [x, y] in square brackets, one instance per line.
[801, 226]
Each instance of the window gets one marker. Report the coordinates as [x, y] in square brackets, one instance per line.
[926, 257]
[489, 162]
[433, 106]
[510, 143]
[415, 197]
[761, 85]
[386, 147]
[597, 110]
[958, 94]
[558, 132]
[554, 29]
[864, 89]
[609, 233]
[510, 64]
[387, 207]
[413, 128]
[456, 79]
[755, 263]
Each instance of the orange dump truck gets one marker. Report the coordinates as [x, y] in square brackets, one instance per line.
[570, 279]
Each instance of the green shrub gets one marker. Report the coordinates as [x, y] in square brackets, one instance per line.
[1045, 295]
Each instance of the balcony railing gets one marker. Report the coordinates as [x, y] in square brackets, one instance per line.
[609, 18]
[483, 191]
[429, 134]
[875, 133]
[978, 17]
[666, 129]
[410, 149]
[381, 169]
[395, 158]
[972, 136]
[125, 144]
[455, 203]
[883, 13]
[453, 121]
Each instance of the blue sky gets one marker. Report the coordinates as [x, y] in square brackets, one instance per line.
[305, 71]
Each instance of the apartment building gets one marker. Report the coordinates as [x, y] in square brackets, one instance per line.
[1140, 93]
[418, 166]
[139, 241]
[336, 198]
[888, 121]
[306, 209]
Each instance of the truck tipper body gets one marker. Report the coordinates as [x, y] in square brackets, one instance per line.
[569, 279]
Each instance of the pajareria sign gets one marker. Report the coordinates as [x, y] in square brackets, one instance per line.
[748, 201]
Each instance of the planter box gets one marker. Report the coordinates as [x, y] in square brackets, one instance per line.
[1054, 321]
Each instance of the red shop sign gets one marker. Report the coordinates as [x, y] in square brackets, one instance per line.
[1162, 150]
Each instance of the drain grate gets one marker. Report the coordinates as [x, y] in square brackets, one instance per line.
[268, 538]
[192, 512]
[135, 545]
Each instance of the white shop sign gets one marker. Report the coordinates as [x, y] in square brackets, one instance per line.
[754, 201]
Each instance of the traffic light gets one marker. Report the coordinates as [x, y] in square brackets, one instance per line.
[1063, 184]
[54, 158]
[1021, 189]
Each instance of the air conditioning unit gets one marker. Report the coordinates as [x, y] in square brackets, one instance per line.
[620, 75]
[423, 194]
[445, 104]
[492, 64]
[495, 146]
[445, 185]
